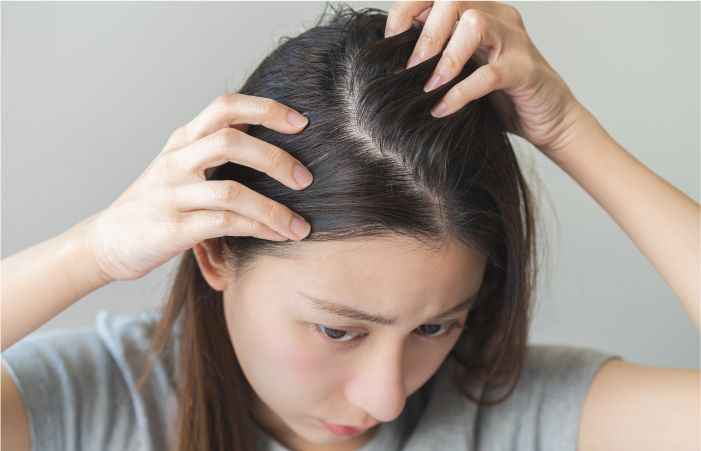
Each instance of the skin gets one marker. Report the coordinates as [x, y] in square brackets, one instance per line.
[363, 384]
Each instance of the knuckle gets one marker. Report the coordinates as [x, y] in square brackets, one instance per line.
[228, 191]
[396, 9]
[395, 14]
[169, 163]
[219, 138]
[491, 75]
[474, 18]
[225, 138]
[177, 134]
[174, 224]
[257, 228]
[235, 221]
[449, 60]
[215, 219]
[458, 91]
[513, 13]
[225, 100]
[246, 223]
[180, 137]
[267, 106]
[221, 218]
[428, 39]
[273, 212]
[275, 157]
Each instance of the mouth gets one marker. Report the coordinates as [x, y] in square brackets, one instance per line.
[343, 430]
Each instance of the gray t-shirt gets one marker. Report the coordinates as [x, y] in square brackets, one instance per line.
[74, 386]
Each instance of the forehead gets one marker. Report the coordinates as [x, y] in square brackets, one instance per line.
[397, 251]
[381, 268]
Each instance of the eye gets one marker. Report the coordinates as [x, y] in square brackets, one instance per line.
[345, 338]
[436, 330]
[336, 335]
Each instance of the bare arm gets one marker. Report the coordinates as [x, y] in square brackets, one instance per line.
[15, 422]
[662, 221]
[40, 282]
[37, 284]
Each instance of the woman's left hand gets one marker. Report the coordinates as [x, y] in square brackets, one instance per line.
[532, 100]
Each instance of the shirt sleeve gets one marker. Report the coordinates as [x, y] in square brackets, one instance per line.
[544, 411]
[75, 385]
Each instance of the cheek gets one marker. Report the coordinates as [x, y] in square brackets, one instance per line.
[281, 364]
[297, 356]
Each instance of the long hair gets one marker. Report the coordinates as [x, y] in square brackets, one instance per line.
[383, 166]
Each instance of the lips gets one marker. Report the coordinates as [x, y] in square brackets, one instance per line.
[343, 430]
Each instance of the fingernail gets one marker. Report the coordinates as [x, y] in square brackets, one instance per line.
[296, 119]
[300, 227]
[302, 175]
[439, 109]
[433, 82]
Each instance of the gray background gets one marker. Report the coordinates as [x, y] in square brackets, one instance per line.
[91, 92]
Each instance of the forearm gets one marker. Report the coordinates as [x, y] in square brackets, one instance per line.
[661, 220]
[43, 280]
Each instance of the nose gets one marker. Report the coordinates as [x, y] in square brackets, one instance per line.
[378, 385]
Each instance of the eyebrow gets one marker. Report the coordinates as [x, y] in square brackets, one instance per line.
[349, 312]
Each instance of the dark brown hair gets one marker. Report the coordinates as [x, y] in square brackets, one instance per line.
[383, 166]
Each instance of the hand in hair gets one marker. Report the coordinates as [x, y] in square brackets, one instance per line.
[172, 205]
[532, 100]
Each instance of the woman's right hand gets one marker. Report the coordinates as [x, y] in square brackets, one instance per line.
[172, 206]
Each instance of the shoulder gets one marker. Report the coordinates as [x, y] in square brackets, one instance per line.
[115, 336]
[545, 408]
[562, 367]
[554, 382]
[127, 339]
[81, 378]
[549, 371]
[541, 413]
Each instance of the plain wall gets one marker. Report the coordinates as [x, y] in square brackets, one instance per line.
[92, 91]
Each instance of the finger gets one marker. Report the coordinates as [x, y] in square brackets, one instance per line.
[481, 82]
[231, 145]
[494, 8]
[401, 14]
[421, 18]
[204, 224]
[475, 29]
[235, 197]
[233, 110]
[438, 27]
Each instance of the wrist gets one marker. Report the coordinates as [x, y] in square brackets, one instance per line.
[579, 127]
[77, 257]
[40, 282]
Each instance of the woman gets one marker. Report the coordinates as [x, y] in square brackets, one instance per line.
[421, 237]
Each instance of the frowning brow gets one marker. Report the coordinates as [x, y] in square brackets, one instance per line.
[339, 309]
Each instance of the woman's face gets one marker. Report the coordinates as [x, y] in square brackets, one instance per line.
[307, 361]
